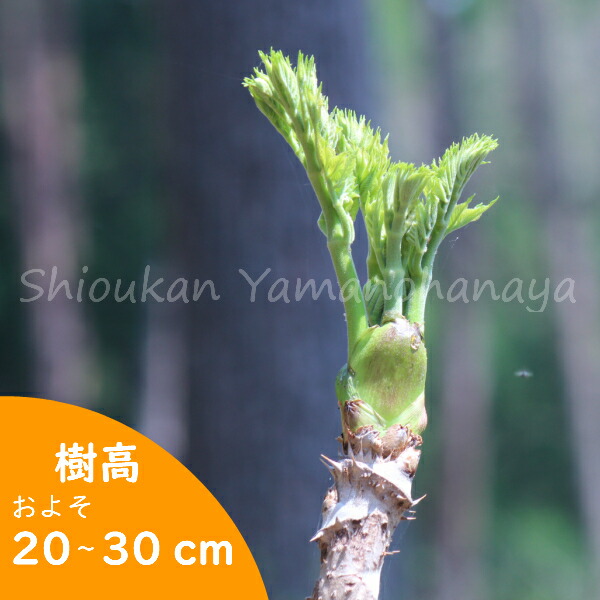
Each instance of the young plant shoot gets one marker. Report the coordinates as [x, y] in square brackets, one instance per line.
[407, 210]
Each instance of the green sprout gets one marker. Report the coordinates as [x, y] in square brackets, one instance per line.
[408, 210]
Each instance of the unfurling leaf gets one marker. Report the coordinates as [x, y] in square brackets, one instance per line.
[344, 158]
[457, 166]
[463, 215]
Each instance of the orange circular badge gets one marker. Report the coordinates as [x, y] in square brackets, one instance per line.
[93, 509]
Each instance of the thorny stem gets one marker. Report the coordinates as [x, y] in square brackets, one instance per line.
[381, 388]
[369, 498]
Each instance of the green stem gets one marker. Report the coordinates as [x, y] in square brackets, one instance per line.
[439, 231]
[394, 274]
[416, 304]
[373, 268]
[338, 244]
[354, 302]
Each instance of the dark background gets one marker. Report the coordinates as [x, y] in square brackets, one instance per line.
[127, 141]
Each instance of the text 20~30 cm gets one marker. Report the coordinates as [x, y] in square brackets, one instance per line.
[145, 550]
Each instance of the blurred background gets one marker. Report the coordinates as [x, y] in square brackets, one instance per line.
[128, 143]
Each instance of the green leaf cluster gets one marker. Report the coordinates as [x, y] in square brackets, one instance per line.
[344, 158]
[407, 209]
[418, 208]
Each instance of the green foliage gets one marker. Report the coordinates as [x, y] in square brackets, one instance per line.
[369, 152]
[408, 210]
[417, 209]
[344, 158]
[463, 215]
[452, 173]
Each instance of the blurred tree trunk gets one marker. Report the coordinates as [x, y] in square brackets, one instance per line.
[163, 407]
[465, 454]
[260, 374]
[40, 98]
[569, 245]
[466, 360]
[570, 238]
